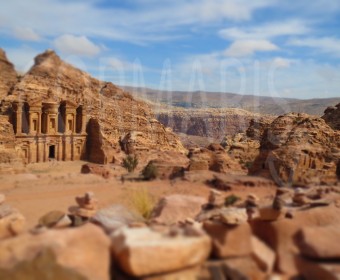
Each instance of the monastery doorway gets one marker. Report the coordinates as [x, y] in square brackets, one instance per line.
[51, 151]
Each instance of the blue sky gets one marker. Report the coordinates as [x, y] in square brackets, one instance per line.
[265, 47]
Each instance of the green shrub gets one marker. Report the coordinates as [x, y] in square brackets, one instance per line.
[231, 200]
[150, 172]
[130, 163]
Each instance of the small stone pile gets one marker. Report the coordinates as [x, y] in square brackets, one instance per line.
[86, 209]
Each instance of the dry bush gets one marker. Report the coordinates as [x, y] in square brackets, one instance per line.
[142, 201]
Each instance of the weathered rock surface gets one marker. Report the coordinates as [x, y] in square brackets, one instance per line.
[226, 239]
[169, 165]
[213, 158]
[10, 162]
[114, 217]
[8, 75]
[90, 168]
[245, 147]
[12, 222]
[80, 253]
[55, 219]
[174, 208]
[229, 182]
[313, 270]
[211, 123]
[320, 243]
[142, 252]
[280, 234]
[299, 149]
[332, 116]
[116, 112]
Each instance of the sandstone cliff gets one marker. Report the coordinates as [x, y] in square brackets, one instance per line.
[9, 157]
[115, 110]
[332, 116]
[211, 123]
[299, 149]
[245, 147]
[8, 75]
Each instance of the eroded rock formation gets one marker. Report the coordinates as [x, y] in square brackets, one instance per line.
[245, 147]
[8, 75]
[213, 158]
[211, 123]
[299, 149]
[332, 117]
[115, 113]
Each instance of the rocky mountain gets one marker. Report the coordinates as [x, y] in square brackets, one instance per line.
[257, 104]
[298, 149]
[112, 113]
[8, 75]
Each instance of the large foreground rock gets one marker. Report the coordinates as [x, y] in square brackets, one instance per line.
[80, 253]
[175, 208]
[12, 222]
[280, 235]
[141, 251]
[320, 242]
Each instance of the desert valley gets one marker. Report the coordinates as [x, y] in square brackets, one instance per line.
[95, 185]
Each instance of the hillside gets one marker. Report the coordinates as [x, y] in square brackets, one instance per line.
[258, 104]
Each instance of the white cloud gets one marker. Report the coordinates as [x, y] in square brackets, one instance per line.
[242, 48]
[329, 45]
[76, 45]
[25, 34]
[279, 62]
[117, 64]
[266, 31]
[149, 21]
[22, 57]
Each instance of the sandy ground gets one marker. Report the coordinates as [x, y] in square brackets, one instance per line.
[54, 185]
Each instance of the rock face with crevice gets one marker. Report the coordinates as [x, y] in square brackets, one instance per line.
[8, 75]
[111, 112]
[299, 149]
[9, 157]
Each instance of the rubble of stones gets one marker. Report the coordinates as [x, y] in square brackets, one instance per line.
[292, 234]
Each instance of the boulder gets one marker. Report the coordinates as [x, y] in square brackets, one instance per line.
[12, 222]
[101, 170]
[115, 216]
[279, 235]
[229, 240]
[77, 253]
[321, 243]
[175, 208]
[142, 252]
[55, 219]
[313, 270]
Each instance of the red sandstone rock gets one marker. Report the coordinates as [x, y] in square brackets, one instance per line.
[115, 112]
[299, 149]
[174, 208]
[100, 170]
[320, 243]
[213, 158]
[84, 250]
[8, 75]
[143, 252]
